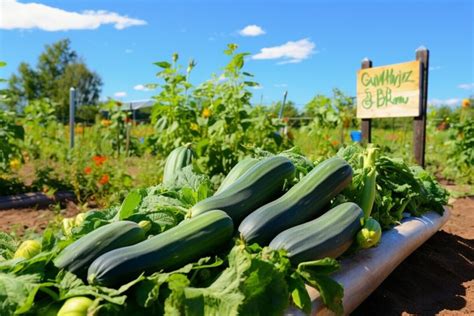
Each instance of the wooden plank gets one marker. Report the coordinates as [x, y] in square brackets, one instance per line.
[389, 91]
[366, 124]
[419, 122]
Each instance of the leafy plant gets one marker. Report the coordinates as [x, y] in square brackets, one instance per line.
[461, 159]
[216, 116]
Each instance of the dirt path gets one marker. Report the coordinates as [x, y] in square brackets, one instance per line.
[19, 221]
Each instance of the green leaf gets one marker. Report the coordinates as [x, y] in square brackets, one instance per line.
[130, 204]
[163, 64]
[251, 285]
[17, 292]
[299, 294]
[69, 286]
[49, 240]
[321, 266]
[316, 274]
[8, 245]
[251, 84]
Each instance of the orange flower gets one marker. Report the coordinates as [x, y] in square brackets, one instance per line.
[466, 103]
[106, 123]
[335, 143]
[99, 160]
[87, 170]
[104, 179]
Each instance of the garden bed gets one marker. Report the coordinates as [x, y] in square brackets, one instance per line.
[362, 272]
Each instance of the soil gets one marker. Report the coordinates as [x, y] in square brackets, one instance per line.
[438, 278]
[21, 221]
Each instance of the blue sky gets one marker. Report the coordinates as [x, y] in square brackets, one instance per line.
[306, 47]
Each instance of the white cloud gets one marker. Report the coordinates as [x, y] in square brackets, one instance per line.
[449, 102]
[466, 86]
[252, 30]
[16, 15]
[290, 52]
[281, 85]
[259, 87]
[128, 51]
[120, 94]
[140, 87]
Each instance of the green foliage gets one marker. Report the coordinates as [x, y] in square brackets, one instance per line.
[11, 135]
[461, 161]
[289, 110]
[117, 131]
[45, 136]
[216, 116]
[399, 188]
[87, 113]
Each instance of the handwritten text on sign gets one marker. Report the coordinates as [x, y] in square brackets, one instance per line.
[389, 91]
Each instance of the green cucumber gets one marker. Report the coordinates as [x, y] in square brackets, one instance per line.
[239, 169]
[330, 235]
[190, 240]
[77, 257]
[303, 202]
[260, 184]
[178, 159]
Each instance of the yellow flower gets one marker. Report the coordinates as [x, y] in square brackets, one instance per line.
[106, 123]
[15, 164]
[194, 127]
[79, 130]
[206, 113]
[466, 103]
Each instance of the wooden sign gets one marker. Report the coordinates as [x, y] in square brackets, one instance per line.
[389, 91]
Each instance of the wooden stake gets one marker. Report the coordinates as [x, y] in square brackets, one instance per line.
[419, 122]
[366, 125]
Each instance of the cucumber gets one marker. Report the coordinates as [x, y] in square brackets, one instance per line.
[239, 169]
[303, 202]
[190, 240]
[77, 257]
[260, 184]
[178, 159]
[330, 235]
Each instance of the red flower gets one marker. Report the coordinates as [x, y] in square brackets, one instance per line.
[104, 179]
[99, 160]
[87, 170]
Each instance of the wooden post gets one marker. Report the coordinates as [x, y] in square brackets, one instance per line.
[366, 124]
[72, 109]
[419, 122]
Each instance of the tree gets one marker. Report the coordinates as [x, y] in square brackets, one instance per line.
[58, 69]
[290, 110]
[318, 103]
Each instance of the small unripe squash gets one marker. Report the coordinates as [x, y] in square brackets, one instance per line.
[28, 249]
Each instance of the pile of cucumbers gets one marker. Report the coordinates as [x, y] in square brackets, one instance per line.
[251, 204]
